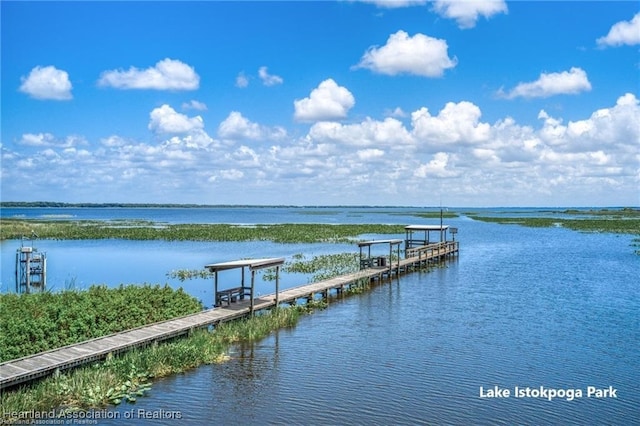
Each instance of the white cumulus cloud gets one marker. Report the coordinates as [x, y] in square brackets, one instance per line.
[47, 83]
[437, 167]
[269, 79]
[47, 139]
[618, 125]
[231, 174]
[326, 102]
[594, 156]
[113, 141]
[242, 80]
[236, 126]
[569, 82]
[467, 12]
[166, 120]
[193, 104]
[167, 74]
[389, 132]
[402, 54]
[625, 32]
[370, 154]
[455, 123]
[394, 4]
[37, 139]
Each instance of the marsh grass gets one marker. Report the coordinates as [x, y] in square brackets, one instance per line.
[319, 267]
[136, 230]
[358, 287]
[323, 267]
[625, 221]
[616, 221]
[125, 377]
[37, 322]
[436, 215]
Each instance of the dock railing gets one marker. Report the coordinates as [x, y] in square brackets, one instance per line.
[432, 250]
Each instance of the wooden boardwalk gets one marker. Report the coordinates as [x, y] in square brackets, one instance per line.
[32, 367]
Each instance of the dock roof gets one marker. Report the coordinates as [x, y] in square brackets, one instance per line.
[426, 227]
[253, 264]
[369, 243]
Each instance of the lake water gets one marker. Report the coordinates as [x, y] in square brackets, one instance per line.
[520, 307]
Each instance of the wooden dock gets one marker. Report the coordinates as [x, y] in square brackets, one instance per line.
[32, 367]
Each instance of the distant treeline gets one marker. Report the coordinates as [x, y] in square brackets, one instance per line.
[26, 204]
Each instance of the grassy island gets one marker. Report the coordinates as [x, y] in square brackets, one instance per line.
[146, 230]
[617, 221]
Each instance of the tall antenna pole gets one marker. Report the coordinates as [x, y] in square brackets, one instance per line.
[441, 223]
[440, 216]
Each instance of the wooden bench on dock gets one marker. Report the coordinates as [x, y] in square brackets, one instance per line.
[230, 295]
[374, 262]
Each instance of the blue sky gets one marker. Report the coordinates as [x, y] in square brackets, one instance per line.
[406, 102]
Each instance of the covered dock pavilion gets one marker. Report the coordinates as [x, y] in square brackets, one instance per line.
[229, 295]
[418, 236]
[369, 261]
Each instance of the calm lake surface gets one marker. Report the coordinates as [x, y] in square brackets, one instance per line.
[520, 307]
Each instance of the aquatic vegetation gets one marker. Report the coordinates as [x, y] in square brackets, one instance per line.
[436, 215]
[189, 274]
[321, 267]
[622, 222]
[280, 233]
[36, 322]
[324, 266]
[616, 221]
[127, 376]
[620, 213]
[358, 287]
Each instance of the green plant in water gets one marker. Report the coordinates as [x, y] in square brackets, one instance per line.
[127, 376]
[136, 383]
[320, 267]
[280, 233]
[313, 305]
[358, 287]
[324, 266]
[189, 274]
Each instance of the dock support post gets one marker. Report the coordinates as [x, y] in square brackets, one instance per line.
[253, 279]
[277, 285]
[215, 289]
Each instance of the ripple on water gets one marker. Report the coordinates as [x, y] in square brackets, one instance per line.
[561, 314]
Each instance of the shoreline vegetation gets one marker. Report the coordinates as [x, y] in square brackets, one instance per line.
[37, 322]
[127, 376]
